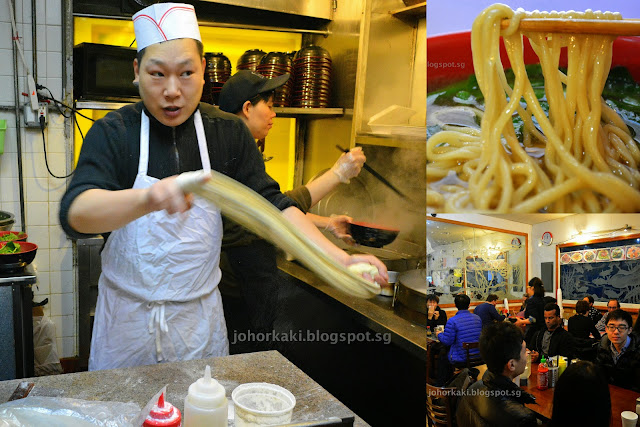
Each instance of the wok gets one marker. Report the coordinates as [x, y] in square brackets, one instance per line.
[372, 235]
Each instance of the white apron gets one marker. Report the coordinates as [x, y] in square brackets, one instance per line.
[158, 295]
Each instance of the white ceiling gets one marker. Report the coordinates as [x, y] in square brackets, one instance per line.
[531, 219]
[442, 233]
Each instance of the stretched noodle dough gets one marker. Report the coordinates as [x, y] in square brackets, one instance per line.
[249, 209]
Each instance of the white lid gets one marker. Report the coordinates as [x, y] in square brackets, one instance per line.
[206, 392]
[165, 21]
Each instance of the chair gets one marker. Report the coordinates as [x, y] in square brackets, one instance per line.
[472, 360]
[440, 406]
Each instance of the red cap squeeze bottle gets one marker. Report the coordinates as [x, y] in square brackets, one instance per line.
[163, 414]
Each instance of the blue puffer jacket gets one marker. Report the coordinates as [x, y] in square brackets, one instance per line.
[463, 327]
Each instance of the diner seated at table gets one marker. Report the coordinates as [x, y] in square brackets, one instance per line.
[487, 311]
[594, 314]
[619, 352]
[601, 326]
[463, 327]
[496, 400]
[435, 315]
[581, 386]
[580, 324]
[552, 340]
[581, 327]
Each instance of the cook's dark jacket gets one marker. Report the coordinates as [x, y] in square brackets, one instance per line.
[497, 402]
[111, 151]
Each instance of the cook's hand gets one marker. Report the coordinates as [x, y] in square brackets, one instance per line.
[349, 164]
[167, 195]
[339, 226]
[381, 278]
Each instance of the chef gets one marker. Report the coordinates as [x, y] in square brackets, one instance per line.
[252, 260]
[158, 299]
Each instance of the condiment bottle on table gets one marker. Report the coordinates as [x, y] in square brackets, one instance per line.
[163, 414]
[206, 404]
[543, 374]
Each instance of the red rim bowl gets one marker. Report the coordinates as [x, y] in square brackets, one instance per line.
[22, 238]
[19, 260]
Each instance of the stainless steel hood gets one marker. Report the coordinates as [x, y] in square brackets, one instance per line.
[322, 9]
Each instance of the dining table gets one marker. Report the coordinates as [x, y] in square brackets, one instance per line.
[622, 399]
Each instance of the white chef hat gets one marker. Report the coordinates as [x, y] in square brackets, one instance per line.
[165, 21]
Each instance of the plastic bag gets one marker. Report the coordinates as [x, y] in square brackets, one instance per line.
[45, 351]
[64, 412]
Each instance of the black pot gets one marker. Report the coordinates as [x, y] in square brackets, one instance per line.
[6, 221]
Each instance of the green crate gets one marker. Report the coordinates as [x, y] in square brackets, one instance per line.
[3, 129]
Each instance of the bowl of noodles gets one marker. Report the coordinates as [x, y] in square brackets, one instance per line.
[525, 134]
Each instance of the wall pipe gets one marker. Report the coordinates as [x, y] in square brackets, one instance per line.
[17, 94]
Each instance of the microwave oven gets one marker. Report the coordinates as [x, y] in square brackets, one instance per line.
[104, 73]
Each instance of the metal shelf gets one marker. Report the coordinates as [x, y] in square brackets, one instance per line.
[397, 141]
[307, 113]
[416, 11]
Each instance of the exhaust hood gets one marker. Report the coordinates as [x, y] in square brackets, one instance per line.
[322, 9]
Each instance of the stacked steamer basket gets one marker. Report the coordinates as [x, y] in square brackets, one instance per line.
[274, 64]
[216, 73]
[312, 65]
[250, 60]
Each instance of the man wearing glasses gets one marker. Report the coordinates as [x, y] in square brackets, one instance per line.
[619, 352]
[612, 305]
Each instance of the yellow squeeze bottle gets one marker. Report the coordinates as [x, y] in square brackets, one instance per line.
[562, 365]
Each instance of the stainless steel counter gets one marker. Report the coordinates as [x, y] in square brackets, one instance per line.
[376, 313]
[139, 384]
[16, 323]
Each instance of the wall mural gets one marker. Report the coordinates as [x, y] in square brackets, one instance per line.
[604, 270]
[479, 262]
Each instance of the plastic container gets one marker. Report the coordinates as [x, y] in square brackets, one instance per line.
[262, 404]
[206, 404]
[3, 129]
[543, 375]
[163, 414]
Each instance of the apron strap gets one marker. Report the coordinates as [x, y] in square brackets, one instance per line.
[157, 324]
[144, 144]
[143, 164]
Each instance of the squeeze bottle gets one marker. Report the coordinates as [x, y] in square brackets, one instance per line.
[206, 403]
[163, 414]
[562, 365]
[543, 374]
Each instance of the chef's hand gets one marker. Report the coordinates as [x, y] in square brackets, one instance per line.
[167, 195]
[349, 164]
[339, 226]
[381, 278]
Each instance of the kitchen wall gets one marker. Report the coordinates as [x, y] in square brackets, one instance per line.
[566, 228]
[54, 260]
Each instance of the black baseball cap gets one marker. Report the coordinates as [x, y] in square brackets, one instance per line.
[243, 86]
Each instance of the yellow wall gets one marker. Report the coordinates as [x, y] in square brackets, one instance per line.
[233, 43]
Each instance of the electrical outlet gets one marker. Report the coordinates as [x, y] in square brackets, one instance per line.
[32, 117]
[42, 112]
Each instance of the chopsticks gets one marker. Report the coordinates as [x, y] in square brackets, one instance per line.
[377, 176]
[624, 27]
